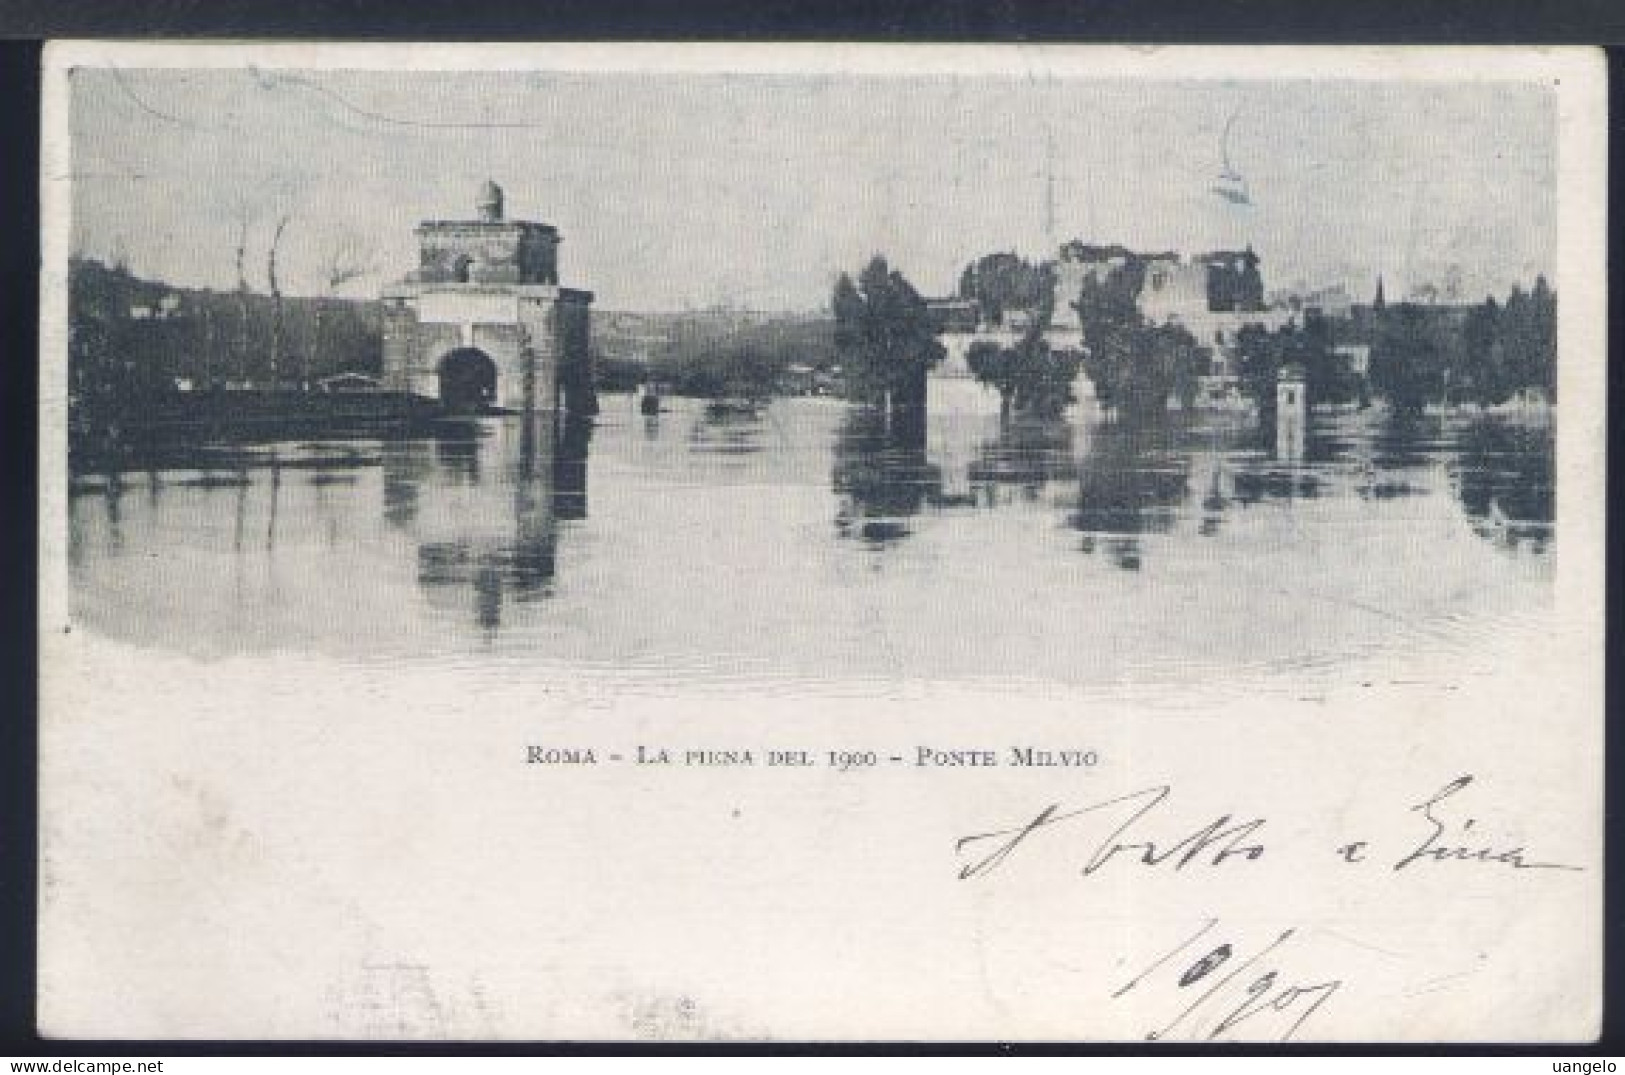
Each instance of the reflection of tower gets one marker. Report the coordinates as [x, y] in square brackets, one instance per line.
[406, 464]
[570, 469]
[484, 510]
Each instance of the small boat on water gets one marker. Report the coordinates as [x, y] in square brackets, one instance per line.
[733, 406]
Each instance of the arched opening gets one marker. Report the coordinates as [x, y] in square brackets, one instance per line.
[468, 380]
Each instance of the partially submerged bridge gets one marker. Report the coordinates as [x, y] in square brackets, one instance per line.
[482, 322]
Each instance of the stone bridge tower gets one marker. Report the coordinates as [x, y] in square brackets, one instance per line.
[483, 322]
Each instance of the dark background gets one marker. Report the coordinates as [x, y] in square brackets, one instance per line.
[1169, 21]
[24, 23]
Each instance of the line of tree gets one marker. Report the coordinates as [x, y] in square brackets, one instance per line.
[752, 361]
[1422, 354]
[210, 339]
[732, 371]
[887, 340]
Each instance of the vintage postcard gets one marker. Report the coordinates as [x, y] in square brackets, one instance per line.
[822, 542]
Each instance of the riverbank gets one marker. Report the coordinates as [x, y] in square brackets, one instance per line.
[241, 416]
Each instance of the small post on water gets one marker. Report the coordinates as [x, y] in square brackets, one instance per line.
[1291, 413]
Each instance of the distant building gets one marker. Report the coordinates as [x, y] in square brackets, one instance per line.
[1078, 260]
[1357, 356]
[1020, 320]
[954, 314]
[1213, 296]
[1333, 302]
[166, 308]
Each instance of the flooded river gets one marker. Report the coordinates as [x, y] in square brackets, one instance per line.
[792, 547]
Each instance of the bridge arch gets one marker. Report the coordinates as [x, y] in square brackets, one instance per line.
[468, 379]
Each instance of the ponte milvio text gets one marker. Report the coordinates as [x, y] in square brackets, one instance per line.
[482, 322]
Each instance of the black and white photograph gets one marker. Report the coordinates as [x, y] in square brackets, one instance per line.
[822, 542]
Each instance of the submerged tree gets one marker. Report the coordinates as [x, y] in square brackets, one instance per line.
[1135, 366]
[1409, 356]
[1030, 376]
[1527, 338]
[1485, 353]
[887, 342]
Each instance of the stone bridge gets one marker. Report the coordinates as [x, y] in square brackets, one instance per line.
[482, 322]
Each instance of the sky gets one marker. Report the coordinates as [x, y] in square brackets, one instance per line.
[680, 190]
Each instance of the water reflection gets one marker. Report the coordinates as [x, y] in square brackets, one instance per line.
[1253, 486]
[727, 428]
[1022, 460]
[1507, 485]
[1129, 483]
[488, 543]
[570, 469]
[882, 480]
[710, 532]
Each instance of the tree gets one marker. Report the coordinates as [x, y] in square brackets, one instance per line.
[1029, 376]
[1134, 366]
[347, 257]
[1482, 353]
[998, 283]
[244, 218]
[887, 341]
[111, 376]
[276, 297]
[995, 366]
[1408, 358]
[732, 370]
[1529, 340]
[1106, 306]
[1486, 353]
[1258, 364]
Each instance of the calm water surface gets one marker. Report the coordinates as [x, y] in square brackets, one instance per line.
[792, 545]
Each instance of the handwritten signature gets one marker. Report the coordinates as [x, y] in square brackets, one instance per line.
[1225, 988]
[1447, 838]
